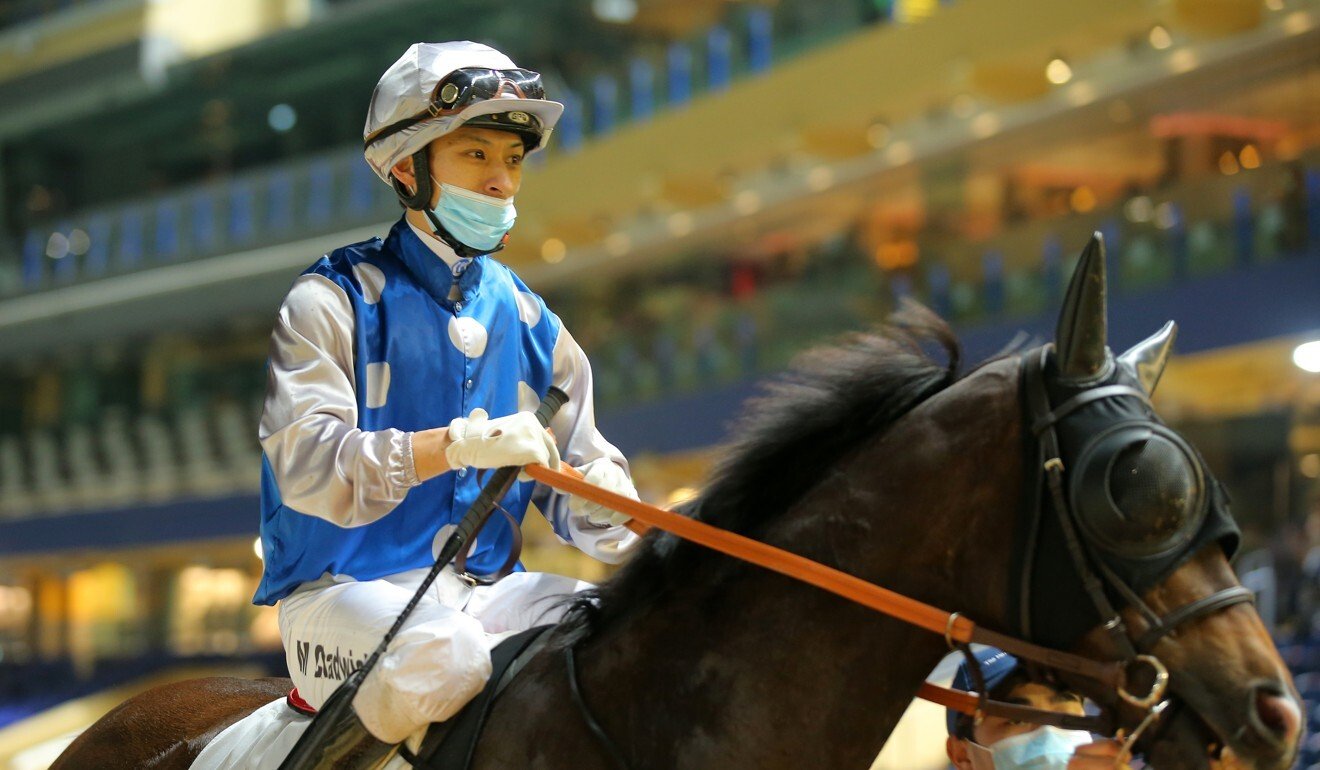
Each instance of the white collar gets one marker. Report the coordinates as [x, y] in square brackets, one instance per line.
[439, 247]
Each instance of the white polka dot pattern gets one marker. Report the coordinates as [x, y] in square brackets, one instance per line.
[468, 335]
[378, 384]
[529, 310]
[372, 281]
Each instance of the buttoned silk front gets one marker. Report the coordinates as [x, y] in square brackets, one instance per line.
[419, 360]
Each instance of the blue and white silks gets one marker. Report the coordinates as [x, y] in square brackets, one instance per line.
[369, 347]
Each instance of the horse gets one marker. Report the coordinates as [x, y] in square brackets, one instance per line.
[874, 455]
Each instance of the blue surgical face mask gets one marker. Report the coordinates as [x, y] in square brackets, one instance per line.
[476, 220]
[1045, 748]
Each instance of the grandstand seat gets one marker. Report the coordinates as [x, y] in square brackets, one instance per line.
[1207, 249]
[160, 474]
[201, 472]
[129, 253]
[1271, 223]
[240, 455]
[123, 469]
[205, 234]
[15, 495]
[48, 483]
[85, 476]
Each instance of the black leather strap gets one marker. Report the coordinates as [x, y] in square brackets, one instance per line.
[575, 689]
[1205, 606]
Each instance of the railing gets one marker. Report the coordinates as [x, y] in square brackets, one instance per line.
[205, 443]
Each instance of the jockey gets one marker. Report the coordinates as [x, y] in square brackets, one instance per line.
[997, 743]
[396, 367]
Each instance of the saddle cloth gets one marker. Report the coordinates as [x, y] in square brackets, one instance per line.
[261, 740]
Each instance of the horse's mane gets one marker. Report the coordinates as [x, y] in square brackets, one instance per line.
[830, 400]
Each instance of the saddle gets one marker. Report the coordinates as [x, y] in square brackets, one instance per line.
[449, 745]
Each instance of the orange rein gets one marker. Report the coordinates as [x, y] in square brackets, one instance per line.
[954, 627]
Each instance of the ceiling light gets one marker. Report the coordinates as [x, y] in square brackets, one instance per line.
[1058, 72]
[1307, 356]
[1160, 38]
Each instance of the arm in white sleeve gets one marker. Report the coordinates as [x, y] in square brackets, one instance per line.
[580, 443]
[324, 465]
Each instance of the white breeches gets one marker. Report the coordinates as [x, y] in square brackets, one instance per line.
[438, 661]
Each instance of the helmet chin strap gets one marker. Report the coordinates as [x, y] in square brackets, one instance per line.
[420, 200]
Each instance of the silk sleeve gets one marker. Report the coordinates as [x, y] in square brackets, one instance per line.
[323, 464]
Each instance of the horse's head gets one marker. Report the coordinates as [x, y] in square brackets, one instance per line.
[1123, 543]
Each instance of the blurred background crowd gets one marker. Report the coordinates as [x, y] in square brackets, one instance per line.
[732, 181]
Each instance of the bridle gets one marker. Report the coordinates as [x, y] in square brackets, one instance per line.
[1093, 571]
[958, 631]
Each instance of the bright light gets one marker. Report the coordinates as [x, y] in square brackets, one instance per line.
[1160, 38]
[256, 548]
[820, 178]
[1307, 356]
[1309, 465]
[986, 124]
[1139, 209]
[1082, 199]
[282, 118]
[1228, 163]
[1297, 22]
[1249, 157]
[1183, 60]
[877, 134]
[58, 246]
[1166, 216]
[79, 242]
[614, 11]
[1058, 72]
[747, 202]
[899, 153]
[1080, 94]
[553, 250]
[618, 244]
[680, 224]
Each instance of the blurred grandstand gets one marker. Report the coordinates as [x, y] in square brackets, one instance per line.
[731, 182]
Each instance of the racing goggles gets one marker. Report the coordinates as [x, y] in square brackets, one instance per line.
[464, 87]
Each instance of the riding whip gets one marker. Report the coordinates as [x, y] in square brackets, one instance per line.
[307, 753]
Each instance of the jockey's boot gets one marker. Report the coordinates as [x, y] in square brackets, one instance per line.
[337, 739]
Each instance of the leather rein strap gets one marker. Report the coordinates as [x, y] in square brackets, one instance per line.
[957, 630]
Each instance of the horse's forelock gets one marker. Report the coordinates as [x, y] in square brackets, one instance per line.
[831, 399]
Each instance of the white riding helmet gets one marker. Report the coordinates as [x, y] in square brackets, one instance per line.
[436, 87]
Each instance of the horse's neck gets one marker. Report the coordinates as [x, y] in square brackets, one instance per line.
[801, 680]
[742, 668]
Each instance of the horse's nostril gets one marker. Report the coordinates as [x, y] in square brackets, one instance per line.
[1278, 714]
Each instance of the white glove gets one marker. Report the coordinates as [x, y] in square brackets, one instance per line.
[604, 473]
[518, 439]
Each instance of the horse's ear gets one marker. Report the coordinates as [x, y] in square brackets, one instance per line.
[1080, 337]
[1147, 358]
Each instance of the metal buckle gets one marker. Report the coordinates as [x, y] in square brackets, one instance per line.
[1149, 700]
[1130, 741]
